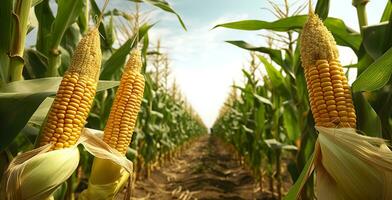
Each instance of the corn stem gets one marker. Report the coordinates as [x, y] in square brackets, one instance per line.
[21, 16]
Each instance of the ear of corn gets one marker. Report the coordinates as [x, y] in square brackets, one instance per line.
[126, 105]
[36, 174]
[348, 165]
[329, 92]
[69, 111]
[118, 131]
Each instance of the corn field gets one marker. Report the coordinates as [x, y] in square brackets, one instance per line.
[91, 109]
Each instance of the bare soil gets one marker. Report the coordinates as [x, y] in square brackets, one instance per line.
[203, 171]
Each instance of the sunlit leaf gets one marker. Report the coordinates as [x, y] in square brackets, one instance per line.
[116, 62]
[67, 13]
[387, 12]
[376, 75]
[276, 55]
[343, 35]
[20, 99]
[164, 5]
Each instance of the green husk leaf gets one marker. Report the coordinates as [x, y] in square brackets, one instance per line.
[36, 174]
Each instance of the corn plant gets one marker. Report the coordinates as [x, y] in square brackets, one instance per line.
[293, 83]
[30, 78]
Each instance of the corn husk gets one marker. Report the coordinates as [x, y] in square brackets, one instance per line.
[352, 166]
[105, 191]
[36, 174]
[113, 178]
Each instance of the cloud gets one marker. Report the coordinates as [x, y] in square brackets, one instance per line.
[202, 63]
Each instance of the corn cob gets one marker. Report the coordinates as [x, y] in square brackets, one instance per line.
[126, 105]
[329, 93]
[119, 129]
[73, 101]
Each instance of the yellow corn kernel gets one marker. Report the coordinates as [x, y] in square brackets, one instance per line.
[329, 93]
[126, 105]
[74, 97]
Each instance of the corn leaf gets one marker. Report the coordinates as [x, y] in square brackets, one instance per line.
[117, 60]
[35, 64]
[95, 11]
[20, 99]
[262, 99]
[45, 20]
[387, 12]
[276, 78]
[368, 120]
[67, 13]
[35, 2]
[5, 37]
[295, 190]
[376, 75]
[376, 39]
[344, 35]
[165, 6]
[275, 55]
[322, 9]
[290, 123]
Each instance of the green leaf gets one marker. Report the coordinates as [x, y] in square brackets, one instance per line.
[5, 37]
[262, 99]
[45, 20]
[35, 63]
[368, 120]
[40, 113]
[96, 12]
[376, 75]
[387, 12]
[15, 111]
[35, 2]
[276, 78]
[116, 62]
[20, 99]
[67, 13]
[164, 5]
[343, 35]
[276, 55]
[146, 42]
[84, 16]
[290, 123]
[322, 9]
[295, 190]
[41, 85]
[376, 39]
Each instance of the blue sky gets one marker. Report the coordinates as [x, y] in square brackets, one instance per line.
[203, 65]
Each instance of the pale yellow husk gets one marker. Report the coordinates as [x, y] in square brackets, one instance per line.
[114, 177]
[352, 166]
[105, 191]
[36, 174]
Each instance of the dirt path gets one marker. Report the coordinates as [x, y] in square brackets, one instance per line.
[204, 171]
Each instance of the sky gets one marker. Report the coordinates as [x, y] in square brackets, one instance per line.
[203, 64]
